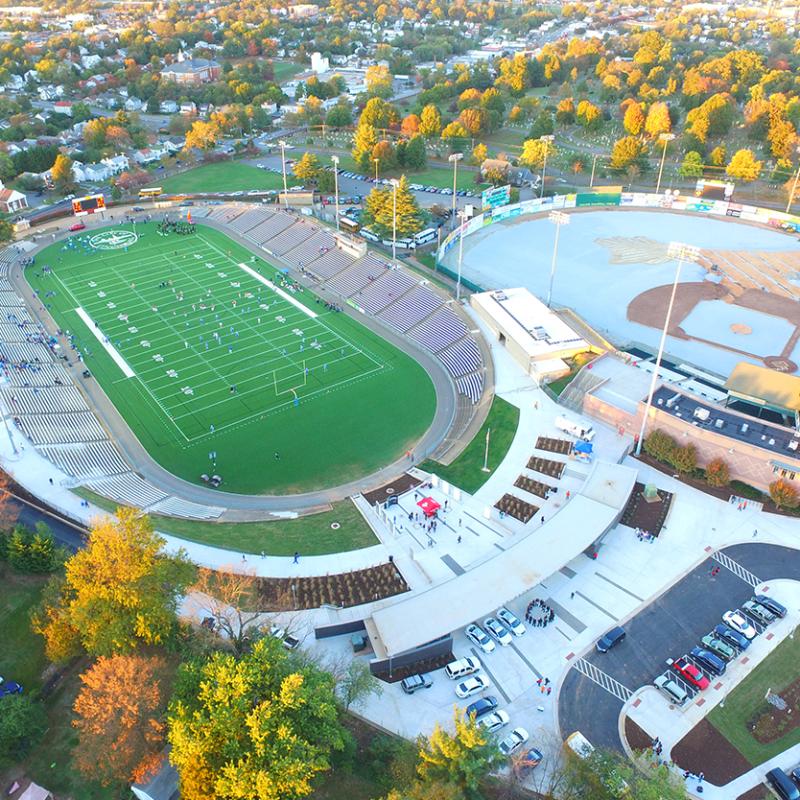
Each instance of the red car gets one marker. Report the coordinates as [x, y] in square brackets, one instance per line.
[690, 673]
[78, 226]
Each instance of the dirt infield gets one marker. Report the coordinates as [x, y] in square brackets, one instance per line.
[649, 308]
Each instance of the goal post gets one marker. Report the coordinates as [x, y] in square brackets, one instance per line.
[290, 381]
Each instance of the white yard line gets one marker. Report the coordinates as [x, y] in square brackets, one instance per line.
[285, 295]
[107, 346]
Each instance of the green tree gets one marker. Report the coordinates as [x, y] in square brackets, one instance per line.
[461, 758]
[692, 166]
[660, 445]
[61, 172]
[542, 125]
[339, 116]
[307, 168]
[684, 459]
[415, 154]
[430, 121]
[22, 724]
[356, 684]
[6, 231]
[7, 169]
[260, 726]
[744, 166]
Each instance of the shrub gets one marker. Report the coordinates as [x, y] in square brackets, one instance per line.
[31, 551]
[783, 494]
[22, 724]
[660, 446]
[747, 491]
[717, 472]
[684, 459]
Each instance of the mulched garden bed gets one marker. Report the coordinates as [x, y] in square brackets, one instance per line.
[397, 486]
[759, 792]
[343, 589]
[705, 749]
[637, 738]
[561, 446]
[650, 517]
[770, 723]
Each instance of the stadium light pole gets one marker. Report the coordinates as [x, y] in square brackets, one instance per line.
[681, 252]
[282, 145]
[794, 184]
[666, 138]
[559, 218]
[463, 216]
[594, 164]
[335, 160]
[455, 158]
[395, 183]
[377, 161]
[547, 139]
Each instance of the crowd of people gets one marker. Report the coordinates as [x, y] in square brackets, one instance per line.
[539, 614]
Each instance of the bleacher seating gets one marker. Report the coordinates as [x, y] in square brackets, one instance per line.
[50, 400]
[329, 264]
[461, 358]
[439, 331]
[471, 386]
[289, 238]
[247, 221]
[60, 428]
[411, 308]
[312, 248]
[381, 293]
[86, 461]
[129, 489]
[175, 507]
[356, 277]
[270, 228]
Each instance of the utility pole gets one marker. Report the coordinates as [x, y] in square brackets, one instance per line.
[335, 160]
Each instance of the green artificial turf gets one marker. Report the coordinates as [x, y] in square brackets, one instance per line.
[223, 176]
[466, 471]
[746, 702]
[290, 404]
[311, 535]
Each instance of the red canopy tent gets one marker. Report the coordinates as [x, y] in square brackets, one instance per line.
[429, 506]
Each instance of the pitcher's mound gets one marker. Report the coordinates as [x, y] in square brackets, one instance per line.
[741, 329]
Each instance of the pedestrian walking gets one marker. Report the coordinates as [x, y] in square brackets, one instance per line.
[296, 557]
[572, 596]
[458, 541]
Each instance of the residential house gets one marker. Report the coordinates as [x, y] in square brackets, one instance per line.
[63, 107]
[188, 108]
[168, 107]
[87, 62]
[134, 104]
[192, 71]
[149, 155]
[117, 164]
[11, 201]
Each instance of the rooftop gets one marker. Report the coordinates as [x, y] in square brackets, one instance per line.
[764, 386]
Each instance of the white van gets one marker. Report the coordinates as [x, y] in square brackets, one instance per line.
[423, 237]
[579, 745]
[462, 667]
[579, 430]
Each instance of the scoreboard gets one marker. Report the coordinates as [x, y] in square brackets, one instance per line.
[91, 204]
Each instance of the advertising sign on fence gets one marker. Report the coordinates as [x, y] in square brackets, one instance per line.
[495, 197]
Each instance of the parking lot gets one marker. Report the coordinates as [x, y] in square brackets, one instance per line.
[667, 628]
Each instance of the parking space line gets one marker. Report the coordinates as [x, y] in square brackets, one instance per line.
[736, 568]
[599, 608]
[565, 616]
[603, 680]
[453, 564]
[486, 669]
[526, 660]
[621, 588]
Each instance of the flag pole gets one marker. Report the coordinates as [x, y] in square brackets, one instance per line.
[486, 452]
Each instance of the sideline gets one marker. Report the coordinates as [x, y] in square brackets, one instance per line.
[107, 346]
[285, 295]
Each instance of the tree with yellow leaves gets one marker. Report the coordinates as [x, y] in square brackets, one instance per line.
[258, 726]
[202, 135]
[461, 758]
[118, 593]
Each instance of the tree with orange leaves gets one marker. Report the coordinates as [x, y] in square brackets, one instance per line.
[119, 718]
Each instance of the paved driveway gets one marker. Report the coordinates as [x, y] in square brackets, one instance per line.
[669, 627]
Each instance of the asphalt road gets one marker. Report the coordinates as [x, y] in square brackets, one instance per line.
[667, 628]
[25, 514]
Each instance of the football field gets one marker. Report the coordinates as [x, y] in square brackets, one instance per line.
[221, 364]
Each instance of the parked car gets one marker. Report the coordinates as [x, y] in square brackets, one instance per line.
[461, 667]
[471, 686]
[497, 631]
[732, 636]
[758, 612]
[482, 706]
[692, 674]
[77, 226]
[771, 604]
[137, 208]
[671, 689]
[511, 621]
[529, 760]
[515, 739]
[708, 661]
[782, 784]
[494, 721]
[718, 647]
[9, 687]
[413, 683]
[739, 622]
[611, 639]
[478, 635]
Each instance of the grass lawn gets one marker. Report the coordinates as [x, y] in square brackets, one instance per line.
[466, 471]
[218, 372]
[506, 137]
[223, 176]
[746, 702]
[311, 535]
[576, 363]
[286, 70]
